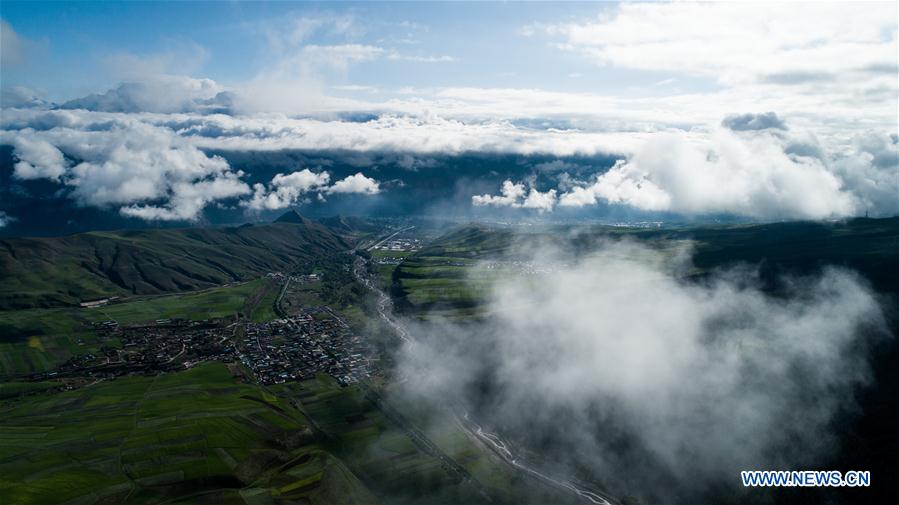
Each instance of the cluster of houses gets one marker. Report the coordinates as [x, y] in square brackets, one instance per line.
[294, 348]
[164, 346]
[521, 267]
[400, 244]
[298, 347]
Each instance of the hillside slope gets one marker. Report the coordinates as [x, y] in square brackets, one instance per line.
[437, 279]
[45, 272]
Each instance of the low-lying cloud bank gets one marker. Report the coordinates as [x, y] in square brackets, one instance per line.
[157, 166]
[749, 167]
[143, 169]
[656, 386]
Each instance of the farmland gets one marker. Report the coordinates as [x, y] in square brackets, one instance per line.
[35, 340]
[152, 439]
[451, 277]
[209, 433]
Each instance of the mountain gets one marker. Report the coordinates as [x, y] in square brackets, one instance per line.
[293, 216]
[58, 271]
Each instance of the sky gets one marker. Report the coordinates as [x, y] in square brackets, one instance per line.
[423, 45]
[764, 110]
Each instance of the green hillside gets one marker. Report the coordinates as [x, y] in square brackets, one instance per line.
[60, 271]
[201, 434]
[437, 281]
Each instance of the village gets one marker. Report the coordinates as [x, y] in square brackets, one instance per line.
[295, 347]
[298, 347]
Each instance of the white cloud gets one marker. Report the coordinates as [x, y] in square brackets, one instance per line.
[339, 56]
[286, 190]
[160, 93]
[297, 30]
[542, 202]
[20, 97]
[402, 133]
[187, 199]
[356, 87]
[37, 158]
[516, 196]
[617, 359]
[14, 49]
[869, 170]
[179, 58]
[767, 173]
[5, 219]
[738, 42]
[828, 67]
[829, 70]
[417, 58]
[749, 174]
[510, 193]
[356, 183]
[124, 164]
[748, 122]
[303, 180]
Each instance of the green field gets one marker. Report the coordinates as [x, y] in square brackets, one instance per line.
[384, 273]
[205, 435]
[197, 306]
[390, 462]
[441, 280]
[62, 271]
[37, 340]
[166, 438]
[264, 307]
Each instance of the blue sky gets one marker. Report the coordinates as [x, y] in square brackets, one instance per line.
[230, 42]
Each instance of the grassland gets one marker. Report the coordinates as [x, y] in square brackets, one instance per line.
[386, 459]
[206, 436]
[197, 433]
[392, 464]
[384, 272]
[37, 340]
[62, 271]
[441, 280]
[200, 305]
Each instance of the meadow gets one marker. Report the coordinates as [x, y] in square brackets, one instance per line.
[202, 433]
[443, 280]
[37, 340]
[207, 435]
